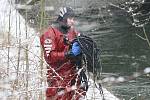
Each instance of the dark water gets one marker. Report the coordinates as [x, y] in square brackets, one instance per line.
[138, 89]
[123, 51]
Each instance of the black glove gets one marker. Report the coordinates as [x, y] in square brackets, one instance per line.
[69, 54]
[66, 41]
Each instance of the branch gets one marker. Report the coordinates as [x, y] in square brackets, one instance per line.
[29, 7]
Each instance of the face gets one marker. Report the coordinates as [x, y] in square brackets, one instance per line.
[70, 22]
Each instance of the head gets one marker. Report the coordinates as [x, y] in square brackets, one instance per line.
[66, 17]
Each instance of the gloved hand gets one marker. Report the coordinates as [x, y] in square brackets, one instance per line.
[75, 50]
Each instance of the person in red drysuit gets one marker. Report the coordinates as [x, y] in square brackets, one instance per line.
[61, 54]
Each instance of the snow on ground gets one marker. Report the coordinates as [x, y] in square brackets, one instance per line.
[93, 93]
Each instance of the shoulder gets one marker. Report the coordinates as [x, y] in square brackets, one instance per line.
[48, 32]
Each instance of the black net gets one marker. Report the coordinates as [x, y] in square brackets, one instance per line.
[91, 53]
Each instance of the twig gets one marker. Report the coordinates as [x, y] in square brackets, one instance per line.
[146, 36]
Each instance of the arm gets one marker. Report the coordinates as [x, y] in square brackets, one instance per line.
[48, 42]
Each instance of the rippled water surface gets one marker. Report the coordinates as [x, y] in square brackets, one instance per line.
[123, 51]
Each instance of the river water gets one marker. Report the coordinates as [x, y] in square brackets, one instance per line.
[125, 52]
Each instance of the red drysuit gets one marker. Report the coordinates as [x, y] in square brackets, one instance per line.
[64, 77]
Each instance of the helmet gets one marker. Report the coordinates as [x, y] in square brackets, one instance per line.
[65, 13]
